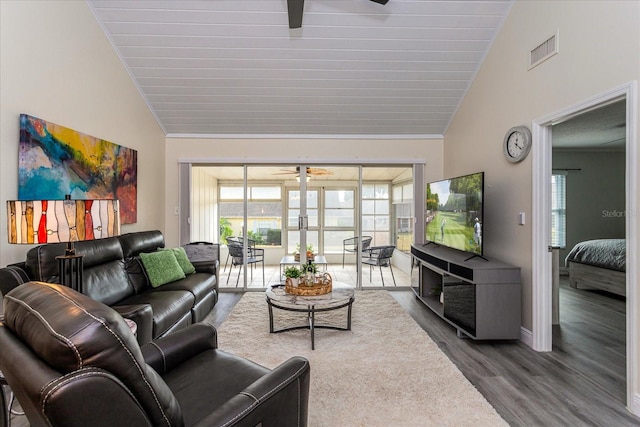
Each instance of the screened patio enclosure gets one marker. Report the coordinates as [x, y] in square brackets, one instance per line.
[273, 211]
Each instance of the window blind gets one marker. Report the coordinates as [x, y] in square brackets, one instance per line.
[558, 210]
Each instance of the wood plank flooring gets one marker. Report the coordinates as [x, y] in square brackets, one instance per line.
[580, 383]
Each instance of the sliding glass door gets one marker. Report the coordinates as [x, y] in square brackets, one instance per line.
[275, 212]
[298, 221]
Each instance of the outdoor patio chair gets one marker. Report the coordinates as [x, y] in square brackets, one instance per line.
[237, 239]
[353, 244]
[239, 257]
[230, 240]
[380, 256]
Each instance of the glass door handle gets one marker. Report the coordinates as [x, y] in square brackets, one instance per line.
[303, 222]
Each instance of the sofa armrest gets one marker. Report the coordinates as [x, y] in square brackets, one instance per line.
[142, 314]
[167, 352]
[63, 398]
[210, 267]
[281, 397]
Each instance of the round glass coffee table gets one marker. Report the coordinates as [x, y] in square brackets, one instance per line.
[342, 295]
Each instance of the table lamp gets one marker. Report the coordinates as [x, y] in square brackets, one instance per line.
[34, 222]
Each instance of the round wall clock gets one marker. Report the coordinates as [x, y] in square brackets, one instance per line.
[517, 143]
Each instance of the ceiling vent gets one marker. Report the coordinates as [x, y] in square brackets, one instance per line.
[543, 51]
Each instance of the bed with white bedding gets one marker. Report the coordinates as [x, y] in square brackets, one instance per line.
[598, 264]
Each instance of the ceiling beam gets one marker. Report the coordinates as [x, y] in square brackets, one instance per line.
[295, 9]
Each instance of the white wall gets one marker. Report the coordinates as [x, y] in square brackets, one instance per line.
[57, 64]
[595, 195]
[241, 151]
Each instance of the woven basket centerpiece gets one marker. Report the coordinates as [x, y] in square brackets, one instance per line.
[322, 285]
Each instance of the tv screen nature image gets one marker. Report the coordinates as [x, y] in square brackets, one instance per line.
[454, 212]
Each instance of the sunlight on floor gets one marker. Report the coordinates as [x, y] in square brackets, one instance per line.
[348, 274]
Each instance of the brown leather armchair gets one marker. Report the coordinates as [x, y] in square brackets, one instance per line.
[73, 361]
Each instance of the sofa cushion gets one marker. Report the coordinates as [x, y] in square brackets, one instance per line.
[137, 276]
[107, 283]
[104, 277]
[162, 267]
[183, 259]
[141, 241]
[210, 373]
[99, 251]
[199, 284]
[168, 307]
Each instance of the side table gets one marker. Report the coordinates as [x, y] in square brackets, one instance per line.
[5, 410]
[133, 326]
[291, 260]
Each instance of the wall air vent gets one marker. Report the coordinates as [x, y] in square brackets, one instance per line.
[543, 51]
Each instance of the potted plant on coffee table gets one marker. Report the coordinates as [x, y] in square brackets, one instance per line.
[293, 274]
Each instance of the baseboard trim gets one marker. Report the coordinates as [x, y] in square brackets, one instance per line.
[635, 405]
[526, 336]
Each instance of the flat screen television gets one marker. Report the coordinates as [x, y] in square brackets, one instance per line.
[454, 212]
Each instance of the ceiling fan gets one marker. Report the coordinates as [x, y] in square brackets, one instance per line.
[310, 171]
[296, 7]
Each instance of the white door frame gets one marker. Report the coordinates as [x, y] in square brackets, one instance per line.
[541, 227]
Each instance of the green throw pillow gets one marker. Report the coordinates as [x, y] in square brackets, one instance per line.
[162, 267]
[183, 259]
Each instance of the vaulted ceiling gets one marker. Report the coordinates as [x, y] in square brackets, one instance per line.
[355, 68]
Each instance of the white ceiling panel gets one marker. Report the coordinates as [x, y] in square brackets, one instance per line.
[225, 67]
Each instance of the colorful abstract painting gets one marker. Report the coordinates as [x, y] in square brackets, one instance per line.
[55, 161]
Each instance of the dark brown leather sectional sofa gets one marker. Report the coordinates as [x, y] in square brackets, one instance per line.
[74, 362]
[114, 275]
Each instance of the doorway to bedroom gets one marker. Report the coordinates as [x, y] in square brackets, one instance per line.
[588, 231]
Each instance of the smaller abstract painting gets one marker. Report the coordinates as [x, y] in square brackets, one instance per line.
[56, 161]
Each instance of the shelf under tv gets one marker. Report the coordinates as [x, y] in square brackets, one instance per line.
[481, 296]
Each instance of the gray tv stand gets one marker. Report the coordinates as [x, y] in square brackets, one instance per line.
[480, 297]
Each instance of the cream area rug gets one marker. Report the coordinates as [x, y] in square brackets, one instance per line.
[385, 372]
